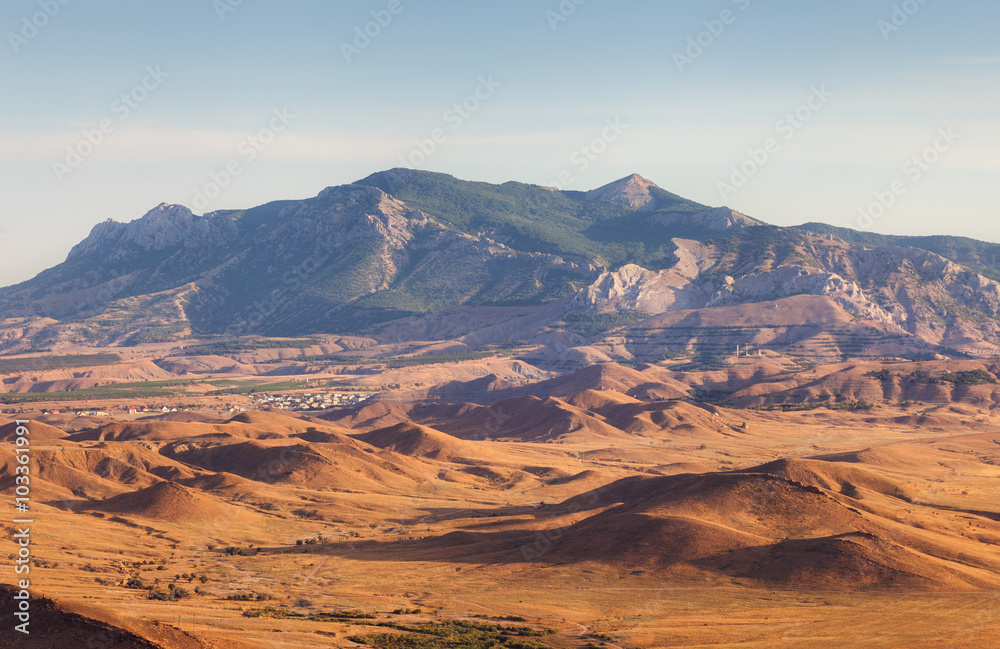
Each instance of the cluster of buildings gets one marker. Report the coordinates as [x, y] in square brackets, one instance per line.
[312, 401]
[135, 410]
[132, 410]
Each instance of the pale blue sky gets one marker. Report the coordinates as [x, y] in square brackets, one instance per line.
[890, 94]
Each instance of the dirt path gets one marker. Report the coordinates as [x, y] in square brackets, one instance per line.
[316, 569]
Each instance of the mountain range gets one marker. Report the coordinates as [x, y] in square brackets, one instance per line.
[626, 272]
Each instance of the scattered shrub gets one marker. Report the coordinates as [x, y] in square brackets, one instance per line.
[969, 377]
[161, 596]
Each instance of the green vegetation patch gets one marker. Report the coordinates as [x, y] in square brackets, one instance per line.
[710, 396]
[850, 406]
[410, 361]
[458, 634]
[969, 377]
[328, 616]
[282, 386]
[403, 361]
[589, 324]
[145, 385]
[245, 346]
[42, 363]
[132, 390]
[89, 394]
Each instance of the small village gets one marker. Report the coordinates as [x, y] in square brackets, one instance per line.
[129, 410]
[322, 401]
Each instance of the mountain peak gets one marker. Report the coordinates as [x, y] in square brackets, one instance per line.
[632, 192]
[639, 179]
[168, 210]
[161, 227]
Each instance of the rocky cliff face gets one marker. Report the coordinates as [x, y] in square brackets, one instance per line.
[162, 227]
[632, 288]
[787, 281]
[691, 284]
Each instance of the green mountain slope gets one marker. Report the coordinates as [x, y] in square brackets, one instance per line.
[980, 256]
[531, 218]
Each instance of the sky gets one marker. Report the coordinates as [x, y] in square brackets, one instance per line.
[881, 115]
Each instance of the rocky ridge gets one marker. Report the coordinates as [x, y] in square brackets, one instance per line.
[355, 257]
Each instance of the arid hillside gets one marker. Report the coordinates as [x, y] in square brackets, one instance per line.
[599, 507]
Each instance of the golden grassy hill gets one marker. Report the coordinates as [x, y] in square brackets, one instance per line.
[170, 501]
